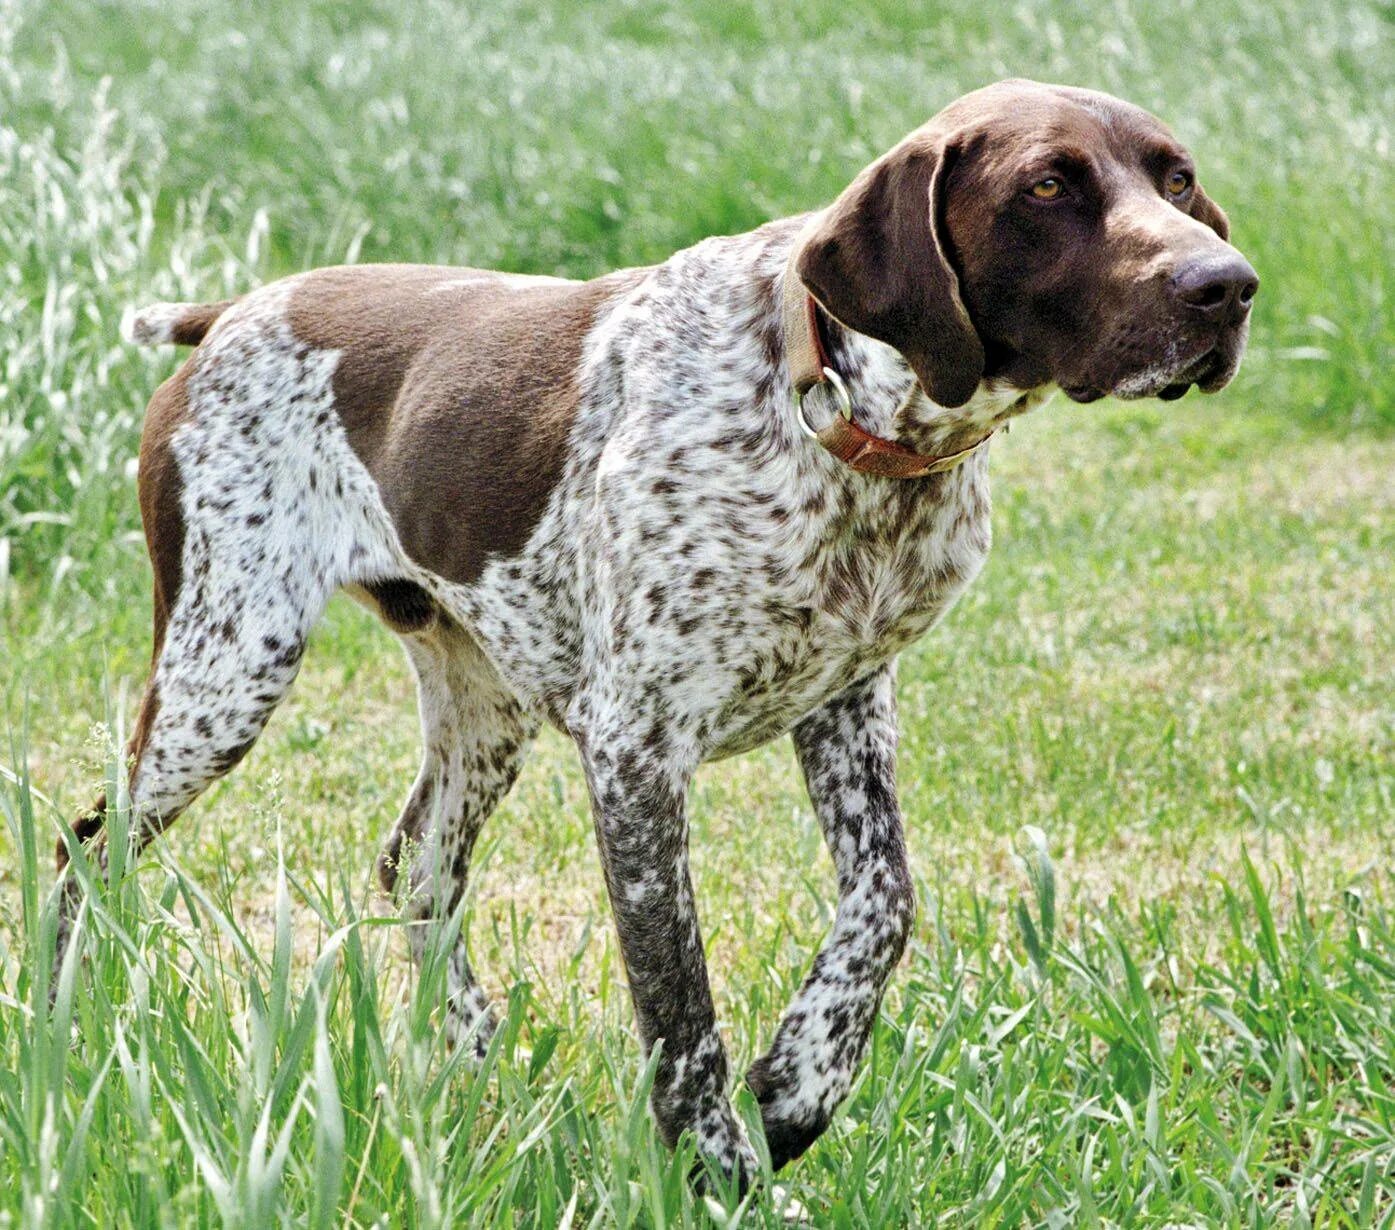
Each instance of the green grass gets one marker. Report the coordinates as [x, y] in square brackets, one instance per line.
[1147, 763]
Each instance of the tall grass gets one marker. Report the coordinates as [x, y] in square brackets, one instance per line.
[186, 1074]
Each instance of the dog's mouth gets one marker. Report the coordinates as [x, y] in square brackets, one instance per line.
[1208, 371]
[1208, 374]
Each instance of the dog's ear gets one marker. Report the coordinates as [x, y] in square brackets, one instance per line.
[1204, 209]
[877, 261]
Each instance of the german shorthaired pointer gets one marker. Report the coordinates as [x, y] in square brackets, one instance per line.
[676, 512]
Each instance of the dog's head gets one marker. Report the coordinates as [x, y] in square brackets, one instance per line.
[1038, 234]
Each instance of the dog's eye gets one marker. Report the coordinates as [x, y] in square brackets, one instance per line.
[1178, 183]
[1048, 189]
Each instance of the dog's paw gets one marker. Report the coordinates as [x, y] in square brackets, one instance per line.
[787, 1140]
[470, 1024]
[791, 1123]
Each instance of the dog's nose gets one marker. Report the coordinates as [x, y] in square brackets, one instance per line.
[1218, 287]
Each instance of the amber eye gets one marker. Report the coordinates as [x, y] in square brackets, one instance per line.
[1048, 189]
[1178, 182]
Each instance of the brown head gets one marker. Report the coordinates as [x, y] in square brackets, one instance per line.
[1038, 234]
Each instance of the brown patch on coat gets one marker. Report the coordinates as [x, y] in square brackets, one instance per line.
[458, 389]
[161, 490]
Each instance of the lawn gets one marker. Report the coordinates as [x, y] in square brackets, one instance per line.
[1146, 763]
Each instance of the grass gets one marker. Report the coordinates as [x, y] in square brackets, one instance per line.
[1146, 765]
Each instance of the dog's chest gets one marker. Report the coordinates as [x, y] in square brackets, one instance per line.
[870, 579]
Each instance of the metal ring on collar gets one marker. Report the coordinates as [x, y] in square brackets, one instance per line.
[844, 402]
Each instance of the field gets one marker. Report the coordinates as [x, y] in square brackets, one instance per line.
[1147, 763]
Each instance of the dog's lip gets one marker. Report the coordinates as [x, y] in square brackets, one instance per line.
[1217, 370]
[1191, 373]
[1208, 371]
[1196, 373]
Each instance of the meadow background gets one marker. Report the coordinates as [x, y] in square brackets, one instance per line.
[1147, 762]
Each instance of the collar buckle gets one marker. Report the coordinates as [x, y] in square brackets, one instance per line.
[844, 398]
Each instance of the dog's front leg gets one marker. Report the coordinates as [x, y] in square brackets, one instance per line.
[847, 750]
[638, 790]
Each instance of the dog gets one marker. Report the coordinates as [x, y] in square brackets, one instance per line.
[676, 512]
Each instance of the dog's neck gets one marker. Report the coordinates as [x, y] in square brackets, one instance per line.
[888, 401]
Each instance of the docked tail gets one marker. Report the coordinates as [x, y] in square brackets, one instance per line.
[184, 324]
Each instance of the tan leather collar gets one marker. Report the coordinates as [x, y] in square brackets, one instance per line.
[809, 366]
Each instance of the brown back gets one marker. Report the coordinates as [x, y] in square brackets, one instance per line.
[458, 390]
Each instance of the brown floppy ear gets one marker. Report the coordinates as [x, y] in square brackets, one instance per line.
[1204, 209]
[876, 262]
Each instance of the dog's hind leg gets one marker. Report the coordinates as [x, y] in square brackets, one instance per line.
[476, 736]
[225, 662]
[238, 584]
[847, 750]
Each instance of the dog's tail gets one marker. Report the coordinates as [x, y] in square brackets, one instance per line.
[184, 324]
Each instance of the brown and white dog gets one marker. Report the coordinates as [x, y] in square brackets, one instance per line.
[611, 506]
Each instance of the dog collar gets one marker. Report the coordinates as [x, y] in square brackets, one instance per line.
[851, 444]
